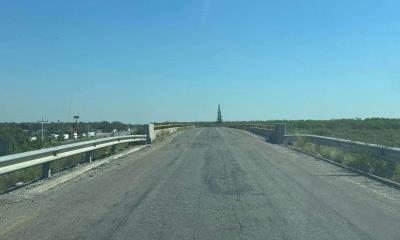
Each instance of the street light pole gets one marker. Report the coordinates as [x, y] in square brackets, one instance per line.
[43, 122]
[76, 117]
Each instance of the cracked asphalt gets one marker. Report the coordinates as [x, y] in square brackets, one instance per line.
[208, 183]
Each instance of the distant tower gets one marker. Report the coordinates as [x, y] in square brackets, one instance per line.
[219, 115]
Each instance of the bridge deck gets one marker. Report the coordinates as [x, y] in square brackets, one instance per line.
[210, 183]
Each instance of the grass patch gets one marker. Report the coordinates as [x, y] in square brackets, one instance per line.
[8, 181]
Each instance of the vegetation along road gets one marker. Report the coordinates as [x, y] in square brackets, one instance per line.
[208, 183]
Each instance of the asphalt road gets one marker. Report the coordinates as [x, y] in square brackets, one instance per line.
[209, 183]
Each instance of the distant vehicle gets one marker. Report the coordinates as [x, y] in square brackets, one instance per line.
[75, 135]
[91, 134]
[34, 138]
[53, 135]
[65, 136]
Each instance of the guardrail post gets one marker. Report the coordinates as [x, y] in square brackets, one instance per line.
[46, 170]
[150, 133]
[113, 149]
[88, 156]
[280, 131]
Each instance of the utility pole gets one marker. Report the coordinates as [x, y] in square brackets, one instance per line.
[76, 117]
[43, 122]
[219, 115]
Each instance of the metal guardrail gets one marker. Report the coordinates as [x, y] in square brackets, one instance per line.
[14, 162]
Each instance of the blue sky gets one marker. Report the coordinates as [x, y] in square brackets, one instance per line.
[157, 60]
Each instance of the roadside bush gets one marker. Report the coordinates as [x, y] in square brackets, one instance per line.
[68, 162]
[8, 181]
[396, 173]
[381, 168]
[357, 161]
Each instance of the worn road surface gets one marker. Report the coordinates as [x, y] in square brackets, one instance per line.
[208, 183]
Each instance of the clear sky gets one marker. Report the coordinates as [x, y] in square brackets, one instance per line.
[158, 60]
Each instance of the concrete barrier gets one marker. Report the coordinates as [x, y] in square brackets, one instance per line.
[279, 134]
[150, 133]
[382, 152]
[266, 133]
[272, 133]
[153, 131]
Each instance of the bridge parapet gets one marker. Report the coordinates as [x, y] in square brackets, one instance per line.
[274, 133]
[391, 154]
[156, 130]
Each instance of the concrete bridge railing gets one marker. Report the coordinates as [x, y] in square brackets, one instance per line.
[272, 133]
[156, 130]
[277, 134]
[391, 154]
